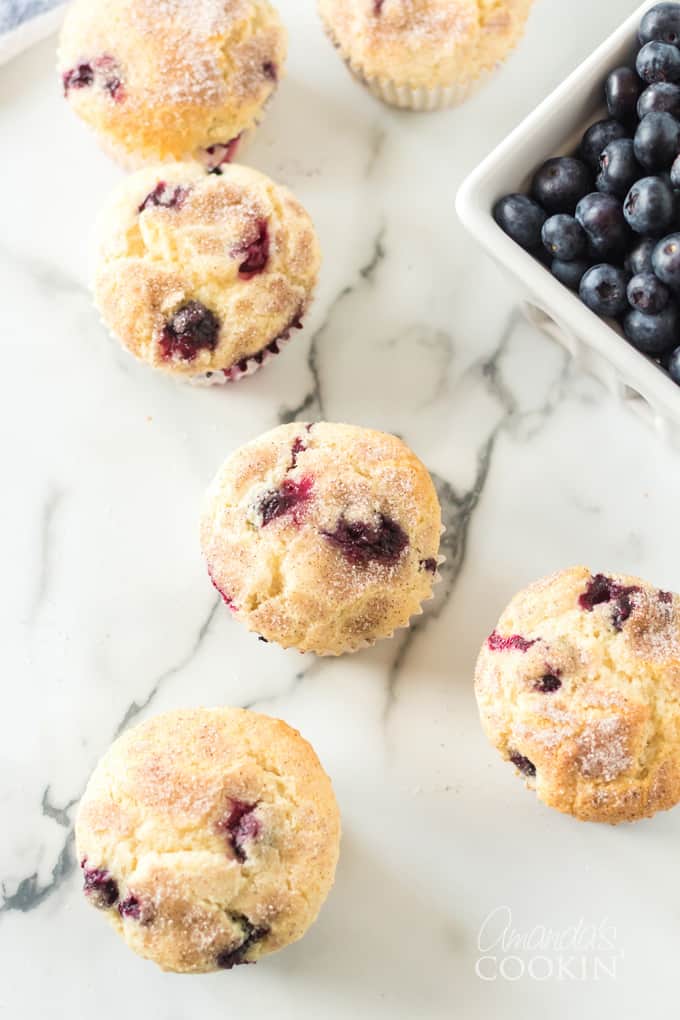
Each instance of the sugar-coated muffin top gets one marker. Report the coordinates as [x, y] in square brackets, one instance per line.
[322, 537]
[425, 42]
[199, 272]
[208, 837]
[577, 686]
[170, 79]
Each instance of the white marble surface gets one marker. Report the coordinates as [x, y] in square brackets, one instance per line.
[107, 614]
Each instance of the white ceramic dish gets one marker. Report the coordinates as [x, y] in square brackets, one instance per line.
[555, 128]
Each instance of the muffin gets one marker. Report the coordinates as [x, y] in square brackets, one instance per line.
[577, 687]
[208, 838]
[322, 537]
[423, 54]
[204, 275]
[171, 79]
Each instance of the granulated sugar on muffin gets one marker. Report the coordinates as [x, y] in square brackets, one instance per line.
[208, 838]
[203, 276]
[171, 79]
[322, 537]
[577, 688]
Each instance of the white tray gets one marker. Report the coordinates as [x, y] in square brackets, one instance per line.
[554, 128]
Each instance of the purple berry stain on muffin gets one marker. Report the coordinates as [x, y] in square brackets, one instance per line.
[362, 543]
[241, 826]
[270, 70]
[666, 597]
[377, 7]
[602, 590]
[297, 448]
[290, 496]
[228, 601]
[430, 565]
[255, 254]
[103, 70]
[548, 684]
[167, 196]
[130, 907]
[109, 72]
[79, 77]
[525, 766]
[233, 957]
[99, 886]
[192, 328]
[512, 642]
[136, 910]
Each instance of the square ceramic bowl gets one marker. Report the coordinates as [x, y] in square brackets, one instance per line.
[553, 129]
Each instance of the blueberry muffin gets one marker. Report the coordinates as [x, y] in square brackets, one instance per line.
[201, 275]
[171, 79]
[322, 537]
[208, 838]
[423, 54]
[577, 688]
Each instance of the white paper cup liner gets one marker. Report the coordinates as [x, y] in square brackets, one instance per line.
[418, 98]
[244, 367]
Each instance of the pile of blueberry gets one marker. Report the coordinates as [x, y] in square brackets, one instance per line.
[607, 220]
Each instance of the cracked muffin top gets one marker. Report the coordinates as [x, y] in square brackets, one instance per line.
[579, 687]
[208, 838]
[322, 537]
[170, 79]
[203, 275]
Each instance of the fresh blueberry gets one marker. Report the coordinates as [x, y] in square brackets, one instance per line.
[649, 206]
[658, 61]
[564, 238]
[619, 169]
[603, 289]
[521, 218]
[560, 183]
[639, 259]
[672, 364]
[601, 216]
[662, 22]
[622, 91]
[657, 140]
[648, 294]
[597, 137]
[666, 261]
[675, 173]
[569, 273]
[653, 334]
[663, 97]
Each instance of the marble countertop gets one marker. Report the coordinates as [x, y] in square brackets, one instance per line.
[108, 616]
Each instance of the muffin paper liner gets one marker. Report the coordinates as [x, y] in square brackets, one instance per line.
[246, 366]
[418, 98]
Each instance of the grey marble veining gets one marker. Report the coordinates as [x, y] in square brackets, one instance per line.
[108, 615]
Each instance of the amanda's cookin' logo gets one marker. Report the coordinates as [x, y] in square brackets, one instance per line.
[584, 951]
